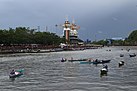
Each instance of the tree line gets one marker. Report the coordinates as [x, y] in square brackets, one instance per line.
[131, 40]
[23, 35]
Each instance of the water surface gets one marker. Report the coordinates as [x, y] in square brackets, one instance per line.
[45, 72]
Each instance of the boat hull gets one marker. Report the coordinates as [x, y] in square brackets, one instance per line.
[14, 75]
[17, 73]
[103, 71]
[132, 55]
[101, 61]
[76, 60]
[85, 62]
[95, 62]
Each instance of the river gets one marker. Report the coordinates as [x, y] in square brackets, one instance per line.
[45, 72]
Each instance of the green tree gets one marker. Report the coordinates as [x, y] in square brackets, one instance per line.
[132, 38]
[23, 35]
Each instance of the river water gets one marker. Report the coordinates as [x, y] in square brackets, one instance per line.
[45, 72]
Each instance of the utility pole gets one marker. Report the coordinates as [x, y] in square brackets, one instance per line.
[38, 28]
[46, 29]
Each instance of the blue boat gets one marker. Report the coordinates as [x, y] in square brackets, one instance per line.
[17, 73]
[86, 62]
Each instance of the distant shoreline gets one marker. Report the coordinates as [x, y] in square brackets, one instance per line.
[20, 51]
[48, 49]
[44, 50]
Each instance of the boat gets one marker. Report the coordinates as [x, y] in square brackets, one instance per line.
[104, 70]
[63, 60]
[121, 55]
[95, 62]
[17, 73]
[121, 63]
[132, 55]
[86, 62]
[101, 61]
[75, 60]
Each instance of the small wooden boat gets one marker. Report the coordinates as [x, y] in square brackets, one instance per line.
[75, 60]
[121, 55]
[86, 62]
[121, 63]
[100, 61]
[128, 50]
[63, 60]
[103, 72]
[17, 73]
[95, 62]
[132, 55]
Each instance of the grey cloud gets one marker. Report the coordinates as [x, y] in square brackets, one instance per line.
[111, 17]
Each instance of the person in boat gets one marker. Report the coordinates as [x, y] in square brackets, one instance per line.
[71, 58]
[96, 60]
[121, 63]
[89, 60]
[12, 72]
[105, 66]
[63, 60]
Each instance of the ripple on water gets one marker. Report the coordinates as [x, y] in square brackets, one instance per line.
[45, 72]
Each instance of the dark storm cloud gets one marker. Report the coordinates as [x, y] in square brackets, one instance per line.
[100, 18]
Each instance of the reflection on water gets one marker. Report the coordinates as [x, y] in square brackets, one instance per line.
[45, 72]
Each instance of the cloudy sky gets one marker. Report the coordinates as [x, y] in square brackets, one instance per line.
[98, 19]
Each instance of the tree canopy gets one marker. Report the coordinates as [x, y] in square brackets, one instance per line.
[133, 36]
[23, 35]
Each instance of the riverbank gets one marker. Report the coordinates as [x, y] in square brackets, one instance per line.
[42, 49]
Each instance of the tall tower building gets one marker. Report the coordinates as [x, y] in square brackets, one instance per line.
[70, 32]
[66, 29]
